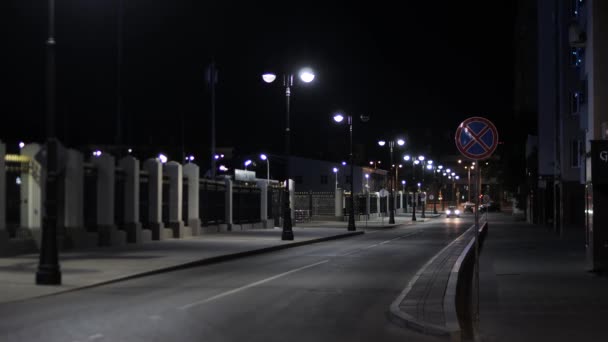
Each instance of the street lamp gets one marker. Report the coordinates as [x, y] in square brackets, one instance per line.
[391, 145]
[247, 163]
[307, 76]
[49, 272]
[339, 118]
[335, 170]
[265, 157]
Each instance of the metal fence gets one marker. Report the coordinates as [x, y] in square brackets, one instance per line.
[246, 203]
[212, 201]
[316, 203]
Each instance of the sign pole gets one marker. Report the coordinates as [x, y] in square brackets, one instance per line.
[477, 247]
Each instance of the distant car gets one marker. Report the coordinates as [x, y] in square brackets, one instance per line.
[490, 206]
[452, 211]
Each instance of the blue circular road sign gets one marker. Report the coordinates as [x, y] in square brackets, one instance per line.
[476, 138]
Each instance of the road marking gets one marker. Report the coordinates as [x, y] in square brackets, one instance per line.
[377, 244]
[227, 293]
[95, 337]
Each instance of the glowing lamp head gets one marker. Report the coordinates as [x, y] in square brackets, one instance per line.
[263, 157]
[335, 169]
[307, 75]
[247, 162]
[429, 166]
[406, 157]
[421, 158]
[381, 142]
[416, 162]
[21, 144]
[163, 158]
[338, 117]
[343, 163]
[367, 176]
[400, 142]
[269, 77]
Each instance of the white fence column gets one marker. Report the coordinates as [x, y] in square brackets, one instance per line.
[132, 226]
[155, 199]
[338, 203]
[108, 233]
[31, 193]
[73, 210]
[292, 200]
[3, 231]
[192, 172]
[263, 185]
[174, 172]
[228, 199]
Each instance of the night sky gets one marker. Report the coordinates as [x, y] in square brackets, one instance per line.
[417, 69]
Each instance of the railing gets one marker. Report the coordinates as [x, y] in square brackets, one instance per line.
[246, 203]
[212, 201]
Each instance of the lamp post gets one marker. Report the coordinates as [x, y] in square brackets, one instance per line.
[339, 117]
[391, 202]
[265, 157]
[414, 162]
[335, 170]
[247, 163]
[437, 187]
[307, 76]
[48, 272]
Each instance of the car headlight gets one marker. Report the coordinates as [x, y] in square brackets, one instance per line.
[448, 212]
[457, 212]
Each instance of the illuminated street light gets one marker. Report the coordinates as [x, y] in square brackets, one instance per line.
[265, 157]
[307, 76]
[247, 163]
[163, 159]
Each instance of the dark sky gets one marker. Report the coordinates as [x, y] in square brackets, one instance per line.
[416, 68]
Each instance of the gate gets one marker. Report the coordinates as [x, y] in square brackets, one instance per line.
[212, 201]
[246, 203]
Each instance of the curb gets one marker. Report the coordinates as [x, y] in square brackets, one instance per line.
[200, 262]
[452, 329]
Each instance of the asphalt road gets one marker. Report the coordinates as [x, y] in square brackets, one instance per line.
[332, 291]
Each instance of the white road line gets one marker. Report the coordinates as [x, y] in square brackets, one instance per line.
[377, 244]
[95, 337]
[227, 293]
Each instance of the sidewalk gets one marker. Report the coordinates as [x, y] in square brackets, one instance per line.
[535, 286]
[86, 268]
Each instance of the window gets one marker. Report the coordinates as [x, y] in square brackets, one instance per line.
[577, 56]
[575, 154]
[323, 179]
[575, 102]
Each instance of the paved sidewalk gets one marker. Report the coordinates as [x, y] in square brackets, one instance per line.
[85, 268]
[535, 286]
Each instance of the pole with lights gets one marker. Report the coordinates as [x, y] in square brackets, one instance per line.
[391, 202]
[414, 162]
[339, 118]
[307, 76]
[48, 272]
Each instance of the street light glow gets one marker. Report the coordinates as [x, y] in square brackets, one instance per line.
[269, 77]
[367, 176]
[263, 157]
[343, 163]
[421, 158]
[163, 158]
[429, 166]
[406, 157]
[335, 169]
[416, 162]
[381, 142]
[21, 144]
[247, 162]
[400, 142]
[223, 168]
[307, 75]
[338, 117]
[440, 167]
[430, 162]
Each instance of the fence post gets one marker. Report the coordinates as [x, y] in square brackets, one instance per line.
[131, 201]
[73, 211]
[191, 171]
[263, 185]
[228, 198]
[338, 200]
[155, 193]
[3, 230]
[108, 233]
[368, 203]
[31, 193]
[174, 171]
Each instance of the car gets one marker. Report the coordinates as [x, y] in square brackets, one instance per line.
[452, 211]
